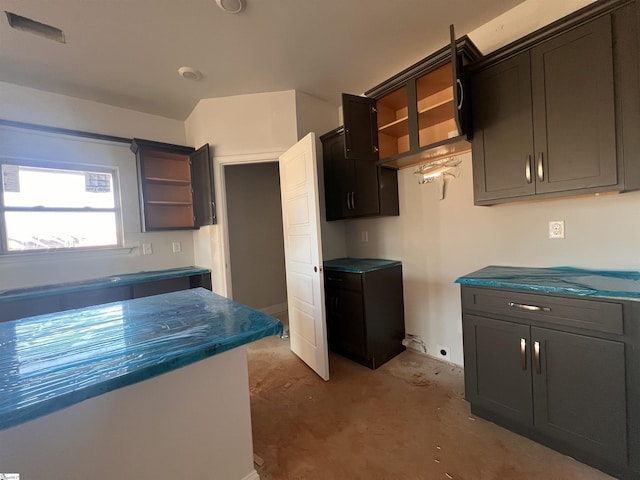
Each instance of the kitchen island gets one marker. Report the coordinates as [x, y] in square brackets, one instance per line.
[148, 388]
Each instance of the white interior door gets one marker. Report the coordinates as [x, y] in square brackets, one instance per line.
[303, 254]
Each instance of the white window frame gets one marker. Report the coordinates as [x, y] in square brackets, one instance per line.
[55, 165]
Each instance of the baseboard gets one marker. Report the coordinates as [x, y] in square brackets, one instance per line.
[252, 476]
[280, 307]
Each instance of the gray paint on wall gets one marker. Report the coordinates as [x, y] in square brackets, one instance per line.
[256, 243]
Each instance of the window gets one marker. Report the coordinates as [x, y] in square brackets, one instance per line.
[58, 207]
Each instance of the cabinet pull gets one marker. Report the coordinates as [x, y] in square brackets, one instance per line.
[531, 308]
[536, 354]
[523, 353]
[540, 167]
[527, 169]
[353, 200]
[349, 201]
[333, 279]
[459, 83]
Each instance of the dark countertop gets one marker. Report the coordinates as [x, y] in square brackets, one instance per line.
[561, 280]
[359, 265]
[52, 361]
[113, 281]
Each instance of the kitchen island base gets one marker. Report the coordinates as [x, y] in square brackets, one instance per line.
[193, 422]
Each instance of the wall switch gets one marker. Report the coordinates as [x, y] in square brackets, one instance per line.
[364, 236]
[146, 249]
[556, 229]
[177, 247]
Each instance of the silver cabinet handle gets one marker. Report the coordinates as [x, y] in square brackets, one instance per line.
[540, 167]
[536, 355]
[531, 308]
[527, 169]
[349, 201]
[353, 200]
[523, 353]
[461, 93]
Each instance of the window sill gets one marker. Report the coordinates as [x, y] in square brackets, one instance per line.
[18, 256]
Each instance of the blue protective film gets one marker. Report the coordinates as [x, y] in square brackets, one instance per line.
[562, 280]
[51, 361]
[359, 265]
[104, 282]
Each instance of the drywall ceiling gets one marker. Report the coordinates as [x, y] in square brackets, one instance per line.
[127, 52]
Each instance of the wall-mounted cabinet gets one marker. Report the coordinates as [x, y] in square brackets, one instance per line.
[553, 113]
[175, 184]
[356, 187]
[418, 115]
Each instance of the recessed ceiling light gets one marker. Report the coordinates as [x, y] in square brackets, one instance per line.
[31, 26]
[190, 73]
[231, 6]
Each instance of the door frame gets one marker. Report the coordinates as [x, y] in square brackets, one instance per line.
[221, 187]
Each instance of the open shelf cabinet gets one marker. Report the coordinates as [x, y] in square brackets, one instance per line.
[176, 186]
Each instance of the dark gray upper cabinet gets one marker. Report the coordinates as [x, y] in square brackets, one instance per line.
[420, 114]
[503, 137]
[553, 113]
[204, 207]
[175, 185]
[355, 187]
[361, 132]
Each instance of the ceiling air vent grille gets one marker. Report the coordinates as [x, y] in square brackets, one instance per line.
[31, 26]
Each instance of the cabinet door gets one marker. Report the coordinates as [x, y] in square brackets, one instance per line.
[365, 200]
[503, 132]
[497, 367]
[579, 385]
[573, 106]
[338, 177]
[202, 186]
[360, 127]
[458, 89]
[346, 324]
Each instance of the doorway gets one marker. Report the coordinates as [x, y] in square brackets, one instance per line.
[255, 236]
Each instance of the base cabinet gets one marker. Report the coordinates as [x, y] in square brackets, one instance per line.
[529, 368]
[365, 314]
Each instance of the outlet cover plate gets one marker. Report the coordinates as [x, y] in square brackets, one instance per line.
[556, 229]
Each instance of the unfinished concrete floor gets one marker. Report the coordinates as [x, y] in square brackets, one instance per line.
[406, 420]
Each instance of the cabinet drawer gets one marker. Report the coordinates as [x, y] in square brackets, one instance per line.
[343, 280]
[582, 313]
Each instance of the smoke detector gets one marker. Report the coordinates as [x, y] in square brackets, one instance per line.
[190, 73]
[231, 6]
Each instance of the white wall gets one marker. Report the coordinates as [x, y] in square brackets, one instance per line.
[33, 106]
[249, 129]
[438, 241]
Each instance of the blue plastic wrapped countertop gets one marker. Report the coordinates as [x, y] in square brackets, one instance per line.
[359, 265]
[52, 361]
[560, 280]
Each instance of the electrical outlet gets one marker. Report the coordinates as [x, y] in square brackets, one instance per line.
[364, 236]
[146, 249]
[177, 247]
[443, 352]
[556, 229]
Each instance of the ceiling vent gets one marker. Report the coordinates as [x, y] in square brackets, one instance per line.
[231, 6]
[31, 26]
